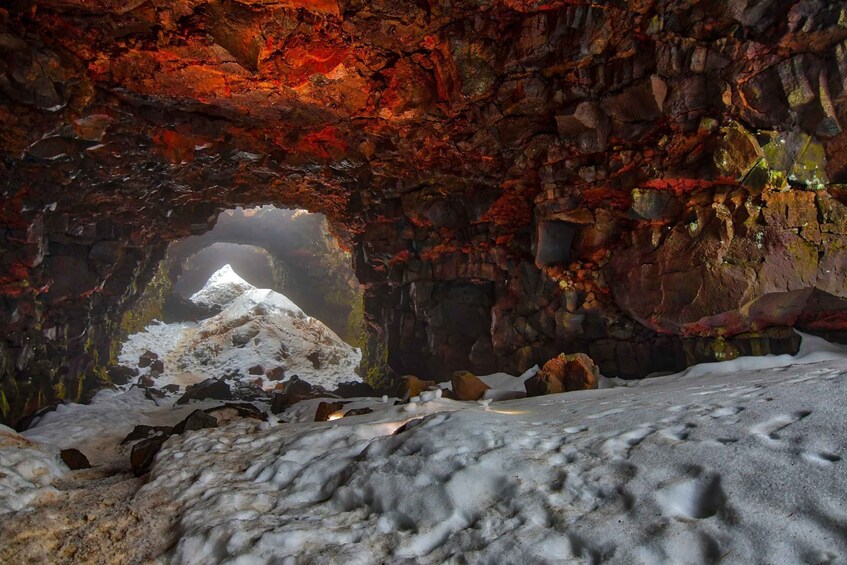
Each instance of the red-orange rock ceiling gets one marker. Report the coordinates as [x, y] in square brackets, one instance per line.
[516, 178]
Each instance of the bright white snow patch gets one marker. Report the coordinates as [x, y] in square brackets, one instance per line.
[257, 327]
[223, 287]
[26, 470]
[729, 467]
[263, 327]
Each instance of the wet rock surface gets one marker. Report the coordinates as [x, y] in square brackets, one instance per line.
[513, 180]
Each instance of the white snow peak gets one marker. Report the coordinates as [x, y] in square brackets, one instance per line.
[223, 287]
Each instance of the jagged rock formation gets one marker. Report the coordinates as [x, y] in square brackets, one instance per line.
[514, 178]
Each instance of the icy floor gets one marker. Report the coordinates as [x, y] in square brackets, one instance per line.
[738, 464]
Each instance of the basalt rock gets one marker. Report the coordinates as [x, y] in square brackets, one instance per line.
[354, 389]
[142, 431]
[214, 389]
[467, 386]
[197, 420]
[74, 459]
[513, 180]
[144, 453]
[326, 409]
[575, 372]
[296, 390]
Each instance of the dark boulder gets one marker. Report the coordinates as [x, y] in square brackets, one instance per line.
[121, 375]
[146, 358]
[233, 410]
[75, 459]
[210, 388]
[276, 374]
[142, 431]
[296, 390]
[197, 420]
[354, 389]
[326, 409]
[144, 452]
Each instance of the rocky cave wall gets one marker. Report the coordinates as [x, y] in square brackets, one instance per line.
[653, 182]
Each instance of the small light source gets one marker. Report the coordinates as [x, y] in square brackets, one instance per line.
[335, 416]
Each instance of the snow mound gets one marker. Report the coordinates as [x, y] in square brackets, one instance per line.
[263, 328]
[258, 330]
[223, 287]
[27, 470]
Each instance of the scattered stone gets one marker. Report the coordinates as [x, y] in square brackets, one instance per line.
[121, 375]
[171, 388]
[142, 431]
[146, 381]
[325, 409]
[197, 420]
[144, 452]
[210, 388]
[256, 370]
[295, 390]
[154, 394]
[574, 372]
[413, 386]
[147, 358]
[275, 374]
[234, 410]
[541, 384]
[75, 459]
[354, 389]
[157, 366]
[358, 411]
[467, 386]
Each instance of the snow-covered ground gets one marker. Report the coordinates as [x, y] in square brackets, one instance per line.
[256, 328]
[27, 470]
[737, 462]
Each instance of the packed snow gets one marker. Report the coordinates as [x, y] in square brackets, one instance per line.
[737, 462]
[223, 287]
[27, 470]
[257, 328]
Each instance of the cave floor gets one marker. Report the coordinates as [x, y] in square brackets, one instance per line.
[736, 462]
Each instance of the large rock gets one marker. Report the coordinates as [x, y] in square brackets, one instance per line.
[197, 420]
[541, 384]
[327, 409]
[144, 453]
[575, 371]
[142, 431]
[467, 386]
[74, 459]
[214, 389]
[293, 391]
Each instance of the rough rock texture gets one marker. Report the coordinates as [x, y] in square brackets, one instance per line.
[513, 178]
[467, 386]
[74, 459]
[575, 372]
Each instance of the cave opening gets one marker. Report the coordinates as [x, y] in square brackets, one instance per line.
[267, 295]
[290, 251]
